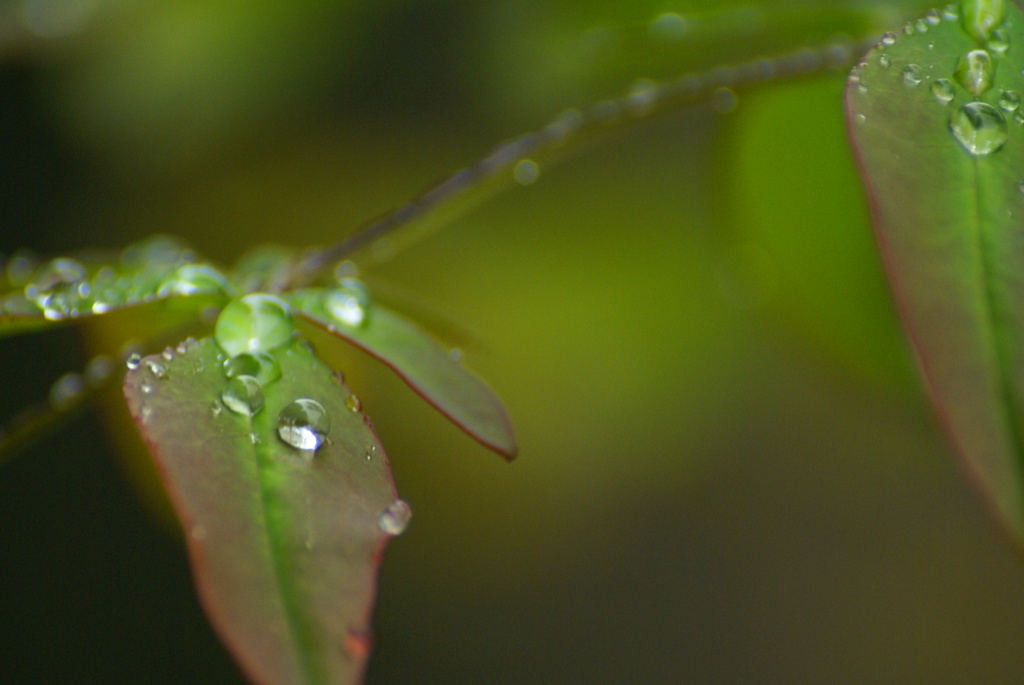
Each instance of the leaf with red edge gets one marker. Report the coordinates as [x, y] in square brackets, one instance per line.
[284, 543]
[941, 150]
[423, 363]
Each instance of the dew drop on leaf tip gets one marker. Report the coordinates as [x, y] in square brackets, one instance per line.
[395, 519]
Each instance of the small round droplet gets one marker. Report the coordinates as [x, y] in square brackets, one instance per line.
[975, 72]
[888, 39]
[254, 323]
[395, 519]
[912, 75]
[99, 369]
[216, 408]
[1009, 100]
[261, 365]
[303, 424]
[66, 391]
[526, 172]
[921, 25]
[244, 395]
[642, 96]
[349, 302]
[884, 61]
[949, 12]
[353, 403]
[979, 127]
[943, 90]
[133, 361]
[933, 17]
[146, 388]
[156, 368]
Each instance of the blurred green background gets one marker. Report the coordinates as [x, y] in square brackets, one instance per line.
[728, 472]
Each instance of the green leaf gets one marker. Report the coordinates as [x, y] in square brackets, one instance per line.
[944, 175]
[159, 272]
[284, 542]
[423, 363]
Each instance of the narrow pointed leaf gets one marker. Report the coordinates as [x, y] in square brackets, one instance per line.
[284, 542]
[942, 157]
[424, 364]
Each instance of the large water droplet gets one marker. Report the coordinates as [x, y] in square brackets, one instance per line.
[349, 302]
[244, 395]
[254, 323]
[303, 424]
[979, 18]
[943, 90]
[912, 75]
[395, 519]
[975, 72]
[260, 365]
[1009, 100]
[193, 279]
[979, 127]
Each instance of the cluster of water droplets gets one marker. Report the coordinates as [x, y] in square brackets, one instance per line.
[64, 287]
[978, 125]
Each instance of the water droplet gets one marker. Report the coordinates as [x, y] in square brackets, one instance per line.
[60, 287]
[884, 61]
[193, 279]
[146, 388]
[99, 369]
[669, 26]
[943, 90]
[979, 18]
[66, 391]
[1018, 116]
[921, 26]
[353, 403]
[979, 127]
[975, 72]
[244, 395]
[395, 519]
[912, 75]
[254, 323]
[261, 365]
[724, 100]
[642, 96]
[20, 268]
[216, 408]
[908, 29]
[303, 424]
[156, 368]
[1009, 100]
[999, 43]
[526, 172]
[949, 12]
[348, 302]
[133, 361]
[933, 17]
[860, 119]
[888, 38]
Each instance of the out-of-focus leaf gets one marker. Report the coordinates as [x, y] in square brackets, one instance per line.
[942, 155]
[157, 272]
[284, 542]
[421, 362]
